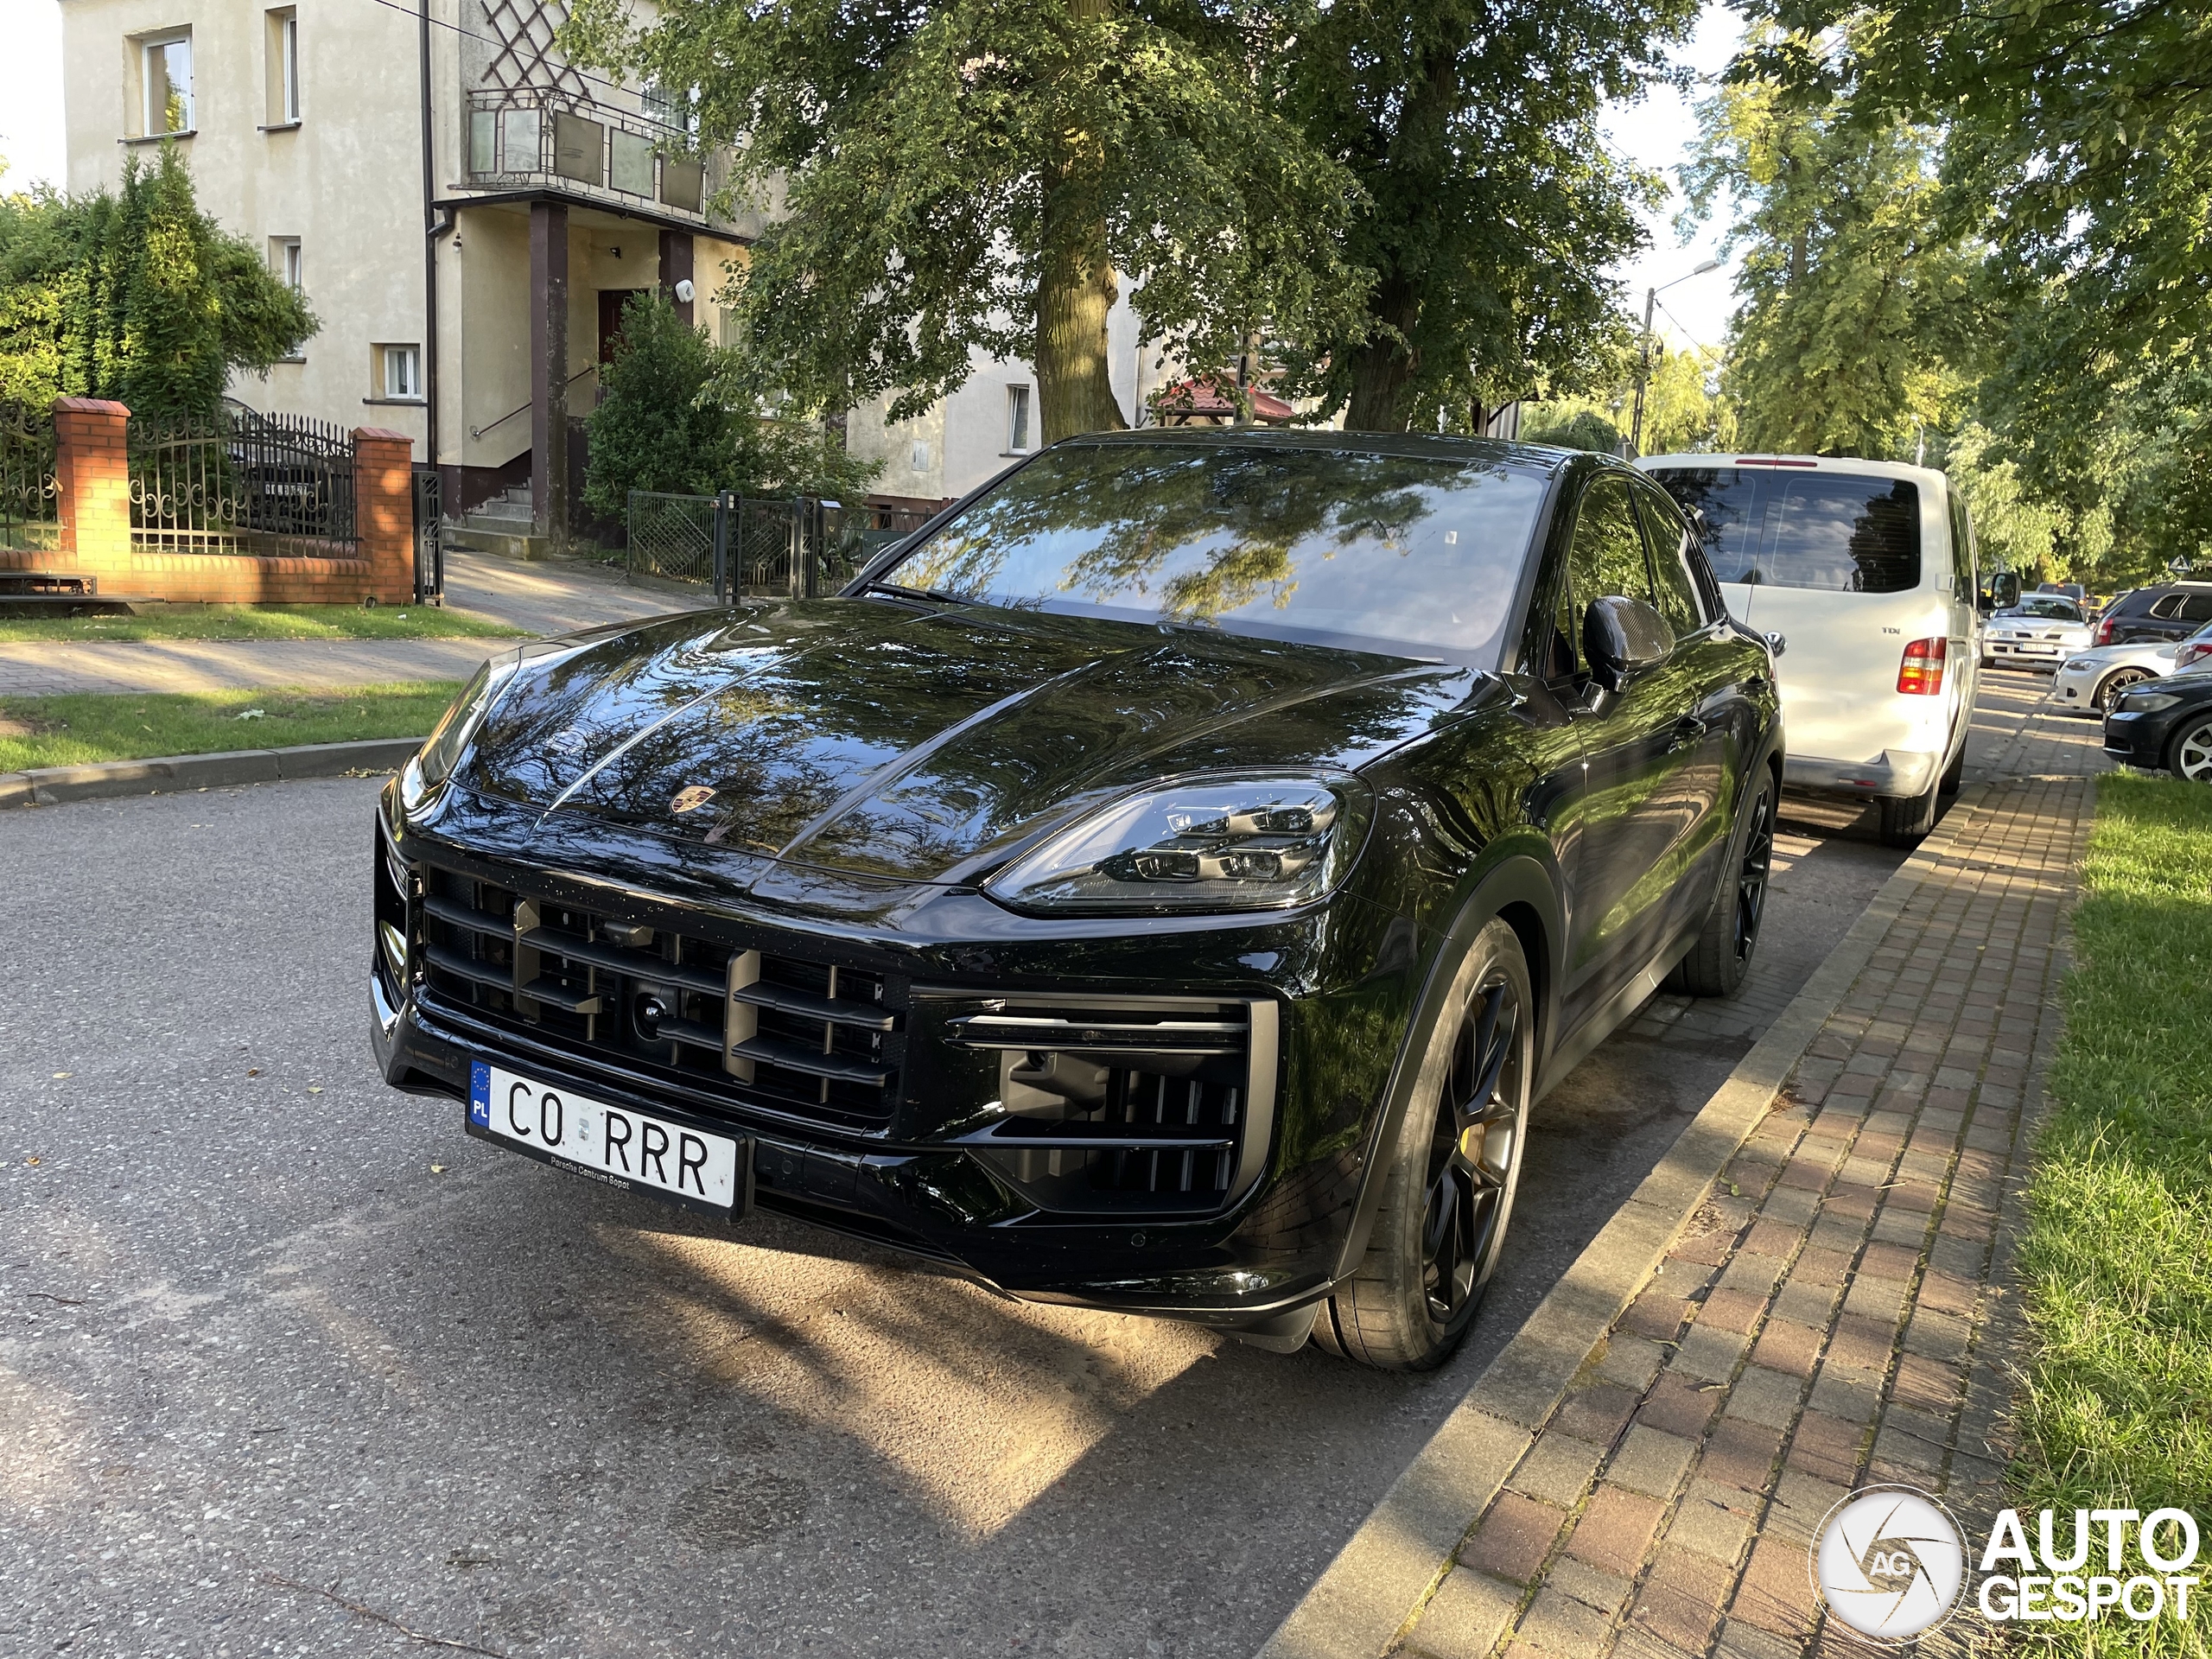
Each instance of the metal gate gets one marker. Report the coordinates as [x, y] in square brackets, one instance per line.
[747, 548]
[430, 544]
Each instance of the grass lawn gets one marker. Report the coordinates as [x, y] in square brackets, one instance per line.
[2116, 1408]
[73, 730]
[260, 622]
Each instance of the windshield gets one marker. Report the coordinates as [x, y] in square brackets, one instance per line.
[1784, 528]
[1320, 543]
[2049, 606]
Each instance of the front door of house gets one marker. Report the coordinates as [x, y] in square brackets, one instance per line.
[611, 302]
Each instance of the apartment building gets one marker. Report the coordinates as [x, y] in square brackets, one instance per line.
[464, 210]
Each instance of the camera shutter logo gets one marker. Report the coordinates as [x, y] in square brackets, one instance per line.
[1890, 1562]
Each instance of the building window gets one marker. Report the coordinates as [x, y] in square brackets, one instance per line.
[400, 373]
[165, 67]
[284, 260]
[1017, 420]
[283, 49]
[918, 457]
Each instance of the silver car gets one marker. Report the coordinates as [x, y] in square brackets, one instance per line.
[2087, 680]
[2042, 630]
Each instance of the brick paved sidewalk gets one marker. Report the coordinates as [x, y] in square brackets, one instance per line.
[1827, 1320]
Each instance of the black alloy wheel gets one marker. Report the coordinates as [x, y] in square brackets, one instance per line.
[1473, 1148]
[2192, 750]
[1751, 872]
[2113, 684]
[1449, 1176]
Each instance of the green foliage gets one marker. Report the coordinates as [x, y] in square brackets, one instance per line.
[1681, 409]
[2112, 1409]
[675, 416]
[1488, 208]
[969, 176]
[1572, 423]
[1857, 304]
[2078, 145]
[136, 296]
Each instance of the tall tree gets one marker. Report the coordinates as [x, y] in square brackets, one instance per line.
[965, 175]
[1856, 308]
[1489, 208]
[136, 296]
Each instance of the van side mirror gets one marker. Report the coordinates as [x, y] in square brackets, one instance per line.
[2004, 590]
[1621, 637]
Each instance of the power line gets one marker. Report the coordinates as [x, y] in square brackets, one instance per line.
[1718, 360]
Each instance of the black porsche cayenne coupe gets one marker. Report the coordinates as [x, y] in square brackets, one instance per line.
[1162, 883]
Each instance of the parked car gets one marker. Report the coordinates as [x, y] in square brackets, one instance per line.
[2165, 724]
[2073, 590]
[2087, 682]
[2171, 610]
[2043, 628]
[1160, 884]
[2194, 654]
[1865, 570]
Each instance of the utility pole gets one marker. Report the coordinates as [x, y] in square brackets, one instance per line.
[1643, 356]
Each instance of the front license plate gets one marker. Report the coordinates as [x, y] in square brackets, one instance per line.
[618, 1145]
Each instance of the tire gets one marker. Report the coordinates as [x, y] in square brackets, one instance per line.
[1955, 775]
[2191, 755]
[1722, 956]
[1441, 1225]
[2113, 684]
[1905, 823]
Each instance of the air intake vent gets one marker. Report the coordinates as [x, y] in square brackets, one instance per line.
[750, 1023]
[1154, 1107]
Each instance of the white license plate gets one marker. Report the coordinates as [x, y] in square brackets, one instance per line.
[618, 1145]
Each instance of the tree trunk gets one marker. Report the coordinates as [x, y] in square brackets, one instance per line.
[1383, 367]
[1075, 290]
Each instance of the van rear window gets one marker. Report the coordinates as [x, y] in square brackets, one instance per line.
[1826, 530]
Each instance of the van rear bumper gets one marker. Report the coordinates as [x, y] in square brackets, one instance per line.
[1901, 773]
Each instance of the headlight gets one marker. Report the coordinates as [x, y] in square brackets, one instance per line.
[433, 762]
[2148, 702]
[1247, 841]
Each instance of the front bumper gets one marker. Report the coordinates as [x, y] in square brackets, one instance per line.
[2136, 739]
[2037, 654]
[1898, 773]
[924, 1178]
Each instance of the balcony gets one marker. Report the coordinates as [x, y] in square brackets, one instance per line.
[534, 138]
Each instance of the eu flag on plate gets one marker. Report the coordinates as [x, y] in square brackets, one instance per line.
[479, 1094]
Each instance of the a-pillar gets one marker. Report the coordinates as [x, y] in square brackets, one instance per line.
[384, 510]
[92, 474]
[675, 267]
[548, 370]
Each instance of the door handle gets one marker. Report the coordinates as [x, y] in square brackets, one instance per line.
[1687, 731]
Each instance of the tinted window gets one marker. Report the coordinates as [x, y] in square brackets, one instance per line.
[1790, 529]
[1671, 580]
[1297, 541]
[2197, 607]
[2166, 604]
[1962, 559]
[1608, 555]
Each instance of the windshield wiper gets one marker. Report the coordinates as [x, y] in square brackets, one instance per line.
[900, 591]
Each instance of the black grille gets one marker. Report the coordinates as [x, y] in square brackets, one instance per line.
[1129, 1108]
[757, 1025]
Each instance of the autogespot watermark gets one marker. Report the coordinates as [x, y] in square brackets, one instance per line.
[1891, 1562]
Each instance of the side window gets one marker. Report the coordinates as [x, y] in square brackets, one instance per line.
[2168, 605]
[1672, 581]
[1962, 559]
[1607, 554]
[2197, 607]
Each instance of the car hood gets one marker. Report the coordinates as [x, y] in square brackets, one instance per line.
[2099, 656]
[873, 738]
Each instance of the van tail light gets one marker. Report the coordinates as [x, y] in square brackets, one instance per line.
[2104, 631]
[1921, 674]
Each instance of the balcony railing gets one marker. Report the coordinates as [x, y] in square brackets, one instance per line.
[529, 136]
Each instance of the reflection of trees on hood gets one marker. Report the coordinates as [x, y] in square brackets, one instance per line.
[1240, 521]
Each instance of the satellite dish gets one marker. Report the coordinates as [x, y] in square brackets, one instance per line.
[684, 291]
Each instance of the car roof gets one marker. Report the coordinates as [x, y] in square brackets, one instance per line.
[1534, 457]
[1849, 466]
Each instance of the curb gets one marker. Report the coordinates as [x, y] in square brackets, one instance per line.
[160, 775]
[1377, 1582]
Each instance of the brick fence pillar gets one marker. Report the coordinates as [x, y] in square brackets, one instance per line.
[384, 510]
[94, 480]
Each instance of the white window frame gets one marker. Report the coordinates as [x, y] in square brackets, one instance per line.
[404, 386]
[153, 48]
[290, 263]
[1020, 415]
[288, 68]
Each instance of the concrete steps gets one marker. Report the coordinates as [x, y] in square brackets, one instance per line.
[502, 525]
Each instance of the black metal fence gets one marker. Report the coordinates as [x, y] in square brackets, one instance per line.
[430, 544]
[239, 482]
[30, 496]
[742, 547]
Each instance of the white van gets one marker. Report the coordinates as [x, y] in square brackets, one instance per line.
[1866, 569]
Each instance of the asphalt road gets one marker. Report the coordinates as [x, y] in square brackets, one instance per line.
[275, 1340]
